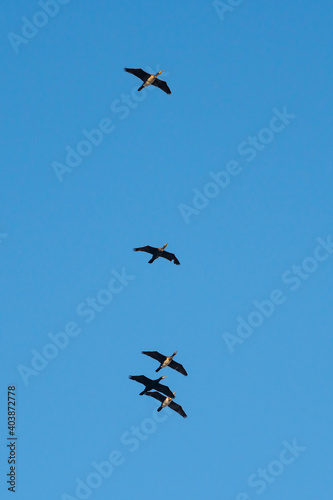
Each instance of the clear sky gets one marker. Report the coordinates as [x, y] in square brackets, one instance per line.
[234, 171]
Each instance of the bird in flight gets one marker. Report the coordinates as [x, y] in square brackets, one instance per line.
[158, 252]
[167, 402]
[166, 361]
[152, 384]
[149, 79]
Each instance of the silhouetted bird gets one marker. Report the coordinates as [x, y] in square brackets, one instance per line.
[149, 79]
[158, 252]
[167, 402]
[152, 384]
[166, 361]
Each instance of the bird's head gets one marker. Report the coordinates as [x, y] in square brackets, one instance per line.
[164, 246]
[174, 354]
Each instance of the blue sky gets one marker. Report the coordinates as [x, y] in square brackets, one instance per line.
[234, 171]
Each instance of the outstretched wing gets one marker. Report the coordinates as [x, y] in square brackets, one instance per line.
[138, 72]
[177, 366]
[171, 257]
[165, 390]
[155, 355]
[140, 378]
[156, 395]
[147, 249]
[161, 84]
[178, 409]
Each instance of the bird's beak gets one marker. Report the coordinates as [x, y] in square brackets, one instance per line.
[173, 393]
[160, 71]
[163, 377]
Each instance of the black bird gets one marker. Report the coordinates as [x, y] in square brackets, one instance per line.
[167, 402]
[158, 252]
[152, 384]
[166, 361]
[149, 79]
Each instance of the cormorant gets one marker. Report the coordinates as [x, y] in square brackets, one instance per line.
[149, 79]
[167, 402]
[152, 384]
[166, 361]
[158, 252]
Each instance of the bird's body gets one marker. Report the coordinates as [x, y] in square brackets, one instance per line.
[158, 252]
[152, 384]
[166, 361]
[167, 401]
[149, 79]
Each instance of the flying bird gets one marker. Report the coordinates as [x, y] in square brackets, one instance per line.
[158, 252]
[166, 361]
[167, 402]
[149, 79]
[152, 384]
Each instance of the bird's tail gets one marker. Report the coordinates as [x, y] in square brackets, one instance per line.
[142, 393]
[159, 409]
[140, 88]
[158, 369]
